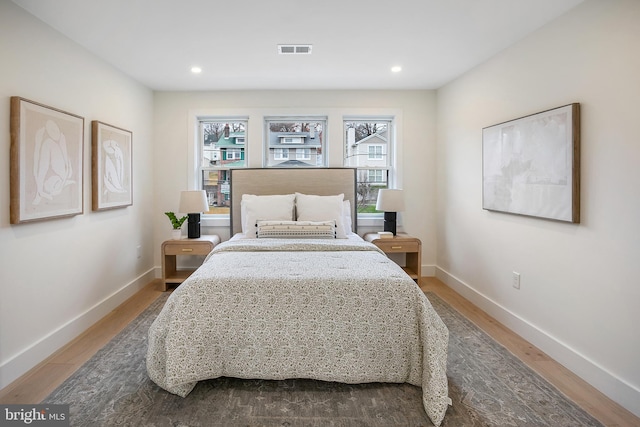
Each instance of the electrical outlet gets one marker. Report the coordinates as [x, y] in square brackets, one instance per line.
[139, 251]
[516, 280]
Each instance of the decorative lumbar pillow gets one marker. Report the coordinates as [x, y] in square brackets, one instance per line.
[296, 229]
[275, 207]
[321, 208]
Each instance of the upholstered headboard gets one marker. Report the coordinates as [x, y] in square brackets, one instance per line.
[321, 181]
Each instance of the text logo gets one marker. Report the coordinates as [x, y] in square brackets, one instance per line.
[34, 415]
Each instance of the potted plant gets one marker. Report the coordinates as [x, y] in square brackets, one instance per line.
[176, 223]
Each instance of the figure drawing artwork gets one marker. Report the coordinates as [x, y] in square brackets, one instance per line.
[111, 166]
[46, 178]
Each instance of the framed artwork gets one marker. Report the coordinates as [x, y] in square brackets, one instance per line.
[111, 167]
[46, 155]
[531, 165]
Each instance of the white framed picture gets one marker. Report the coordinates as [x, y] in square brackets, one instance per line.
[531, 165]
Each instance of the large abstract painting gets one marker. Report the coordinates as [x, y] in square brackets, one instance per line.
[531, 165]
[46, 178]
[111, 165]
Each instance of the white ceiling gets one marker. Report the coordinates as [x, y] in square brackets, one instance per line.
[355, 42]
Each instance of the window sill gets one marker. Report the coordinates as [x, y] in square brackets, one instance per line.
[215, 221]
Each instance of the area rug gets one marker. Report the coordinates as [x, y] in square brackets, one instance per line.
[488, 386]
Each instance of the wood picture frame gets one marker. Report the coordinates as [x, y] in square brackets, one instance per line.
[46, 162]
[531, 165]
[111, 166]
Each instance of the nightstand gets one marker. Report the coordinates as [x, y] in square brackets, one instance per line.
[172, 248]
[401, 243]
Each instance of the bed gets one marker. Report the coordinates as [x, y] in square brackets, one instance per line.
[268, 304]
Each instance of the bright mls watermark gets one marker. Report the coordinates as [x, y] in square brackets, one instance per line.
[34, 415]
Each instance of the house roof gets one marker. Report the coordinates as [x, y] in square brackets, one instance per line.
[275, 137]
[374, 137]
[231, 141]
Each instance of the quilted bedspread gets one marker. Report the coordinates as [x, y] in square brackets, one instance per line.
[332, 310]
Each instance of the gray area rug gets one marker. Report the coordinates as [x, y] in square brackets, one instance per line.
[488, 386]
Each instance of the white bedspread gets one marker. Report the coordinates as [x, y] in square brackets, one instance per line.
[332, 310]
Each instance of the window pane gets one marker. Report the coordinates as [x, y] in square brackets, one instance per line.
[216, 184]
[295, 142]
[223, 148]
[367, 147]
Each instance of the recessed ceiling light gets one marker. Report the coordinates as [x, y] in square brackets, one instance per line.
[196, 70]
[396, 69]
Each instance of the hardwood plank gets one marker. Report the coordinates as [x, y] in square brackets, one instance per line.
[583, 394]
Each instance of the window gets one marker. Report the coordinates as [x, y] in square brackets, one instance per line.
[233, 155]
[281, 154]
[223, 147]
[303, 153]
[368, 143]
[375, 175]
[375, 152]
[291, 140]
[304, 134]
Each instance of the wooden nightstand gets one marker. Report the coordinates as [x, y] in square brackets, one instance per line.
[172, 248]
[401, 243]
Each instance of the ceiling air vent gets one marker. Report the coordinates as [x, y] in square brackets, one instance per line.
[294, 49]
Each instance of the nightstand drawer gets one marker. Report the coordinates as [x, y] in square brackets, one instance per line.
[188, 249]
[391, 247]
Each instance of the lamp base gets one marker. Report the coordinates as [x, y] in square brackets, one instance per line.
[193, 225]
[390, 222]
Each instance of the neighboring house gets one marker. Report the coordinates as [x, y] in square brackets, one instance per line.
[227, 149]
[369, 155]
[294, 149]
[228, 152]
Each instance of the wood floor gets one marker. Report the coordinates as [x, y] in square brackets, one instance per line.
[44, 378]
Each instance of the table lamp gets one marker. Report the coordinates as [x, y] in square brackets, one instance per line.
[193, 203]
[390, 202]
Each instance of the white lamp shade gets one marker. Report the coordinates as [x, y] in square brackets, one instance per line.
[390, 200]
[193, 201]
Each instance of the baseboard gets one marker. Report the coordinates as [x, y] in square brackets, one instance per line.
[40, 350]
[428, 270]
[615, 388]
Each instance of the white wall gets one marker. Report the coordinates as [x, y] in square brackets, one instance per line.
[59, 276]
[580, 289]
[175, 124]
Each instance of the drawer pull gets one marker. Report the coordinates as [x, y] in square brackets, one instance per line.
[187, 250]
[396, 247]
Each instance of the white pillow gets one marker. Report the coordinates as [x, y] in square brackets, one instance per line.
[321, 208]
[254, 208]
[348, 223]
